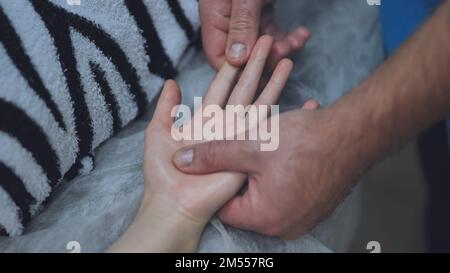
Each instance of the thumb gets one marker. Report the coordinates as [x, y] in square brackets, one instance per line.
[216, 156]
[243, 30]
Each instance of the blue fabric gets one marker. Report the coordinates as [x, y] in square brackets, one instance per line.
[401, 18]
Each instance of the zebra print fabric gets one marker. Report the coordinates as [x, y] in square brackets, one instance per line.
[71, 76]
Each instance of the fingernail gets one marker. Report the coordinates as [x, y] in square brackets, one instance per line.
[237, 50]
[184, 158]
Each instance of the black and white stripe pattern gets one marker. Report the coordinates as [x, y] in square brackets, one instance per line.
[72, 76]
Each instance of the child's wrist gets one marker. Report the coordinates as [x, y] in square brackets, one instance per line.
[165, 223]
[168, 211]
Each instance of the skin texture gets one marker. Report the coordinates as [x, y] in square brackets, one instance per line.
[322, 153]
[228, 22]
[176, 206]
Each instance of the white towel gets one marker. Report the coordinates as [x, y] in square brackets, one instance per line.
[71, 76]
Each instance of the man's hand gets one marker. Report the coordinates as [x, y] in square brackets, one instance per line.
[291, 189]
[230, 29]
[322, 152]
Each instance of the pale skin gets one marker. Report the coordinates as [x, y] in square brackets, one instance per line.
[176, 206]
[322, 153]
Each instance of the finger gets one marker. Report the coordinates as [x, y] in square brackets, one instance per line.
[281, 49]
[270, 29]
[169, 98]
[245, 89]
[273, 89]
[211, 157]
[239, 212]
[221, 86]
[298, 38]
[287, 44]
[213, 44]
[311, 105]
[243, 30]
[267, 21]
[214, 17]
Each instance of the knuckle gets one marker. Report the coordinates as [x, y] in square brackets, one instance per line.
[215, 13]
[244, 21]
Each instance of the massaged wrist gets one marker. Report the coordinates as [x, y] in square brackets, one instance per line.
[160, 226]
[169, 212]
[170, 225]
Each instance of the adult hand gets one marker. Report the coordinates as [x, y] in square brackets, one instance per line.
[293, 188]
[322, 152]
[230, 29]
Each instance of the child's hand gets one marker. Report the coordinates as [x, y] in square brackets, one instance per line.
[182, 204]
[198, 197]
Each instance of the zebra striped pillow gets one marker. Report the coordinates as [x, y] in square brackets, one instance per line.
[71, 76]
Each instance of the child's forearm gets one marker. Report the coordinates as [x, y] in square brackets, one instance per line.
[160, 228]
